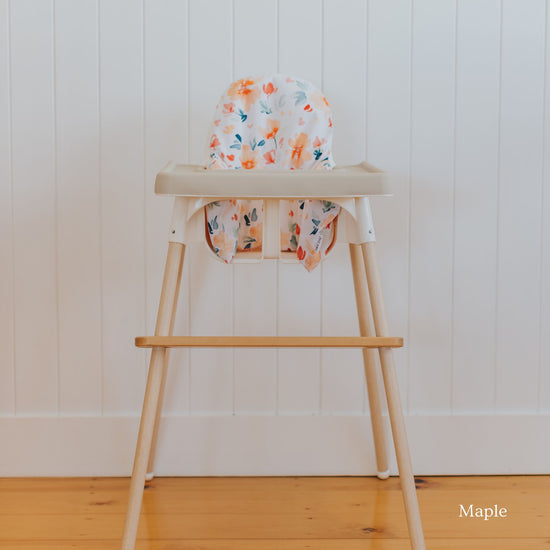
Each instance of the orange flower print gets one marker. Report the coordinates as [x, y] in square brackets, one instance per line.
[228, 129]
[244, 90]
[300, 253]
[318, 142]
[270, 157]
[328, 221]
[297, 229]
[308, 108]
[299, 154]
[268, 88]
[320, 102]
[228, 108]
[248, 158]
[272, 128]
[225, 245]
[312, 260]
[230, 157]
[214, 141]
[256, 232]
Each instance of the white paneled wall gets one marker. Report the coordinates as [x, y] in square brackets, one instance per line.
[450, 96]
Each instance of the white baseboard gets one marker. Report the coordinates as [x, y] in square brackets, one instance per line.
[272, 445]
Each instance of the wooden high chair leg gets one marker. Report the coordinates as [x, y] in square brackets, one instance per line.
[394, 399]
[372, 371]
[157, 370]
[151, 465]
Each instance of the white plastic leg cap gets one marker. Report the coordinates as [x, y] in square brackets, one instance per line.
[383, 475]
[149, 476]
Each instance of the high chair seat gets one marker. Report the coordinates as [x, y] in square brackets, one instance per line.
[195, 187]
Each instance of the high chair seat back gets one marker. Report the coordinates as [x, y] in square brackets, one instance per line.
[272, 122]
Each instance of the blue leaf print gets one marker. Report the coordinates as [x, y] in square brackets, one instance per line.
[261, 143]
[238, 136]
[254, 215]
[253, 143]
[264, 108]
[317, 154]
[246, 220]
[301, 85]
[243, 115]
[215, 223]
[282, 100]
[293, 242]
[315, 222]
[246, 246]
[300, 97]
[235, 146]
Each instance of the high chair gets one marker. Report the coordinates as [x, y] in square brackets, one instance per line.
[197, 191]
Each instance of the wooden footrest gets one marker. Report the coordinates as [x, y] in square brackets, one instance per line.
[269, 341]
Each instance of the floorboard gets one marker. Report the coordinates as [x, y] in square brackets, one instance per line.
[268, 513]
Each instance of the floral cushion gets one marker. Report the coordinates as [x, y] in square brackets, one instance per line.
[272, 122]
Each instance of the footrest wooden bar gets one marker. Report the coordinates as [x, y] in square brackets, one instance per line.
[269, 341]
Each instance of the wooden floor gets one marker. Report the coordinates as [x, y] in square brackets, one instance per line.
[332, 513]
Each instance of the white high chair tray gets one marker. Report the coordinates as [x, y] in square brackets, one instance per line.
[359, 180]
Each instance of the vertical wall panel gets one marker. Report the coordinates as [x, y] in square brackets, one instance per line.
[7, 364]
[388, 146]
[255, 302]
[166, 138]
[342, 377]
[211, 303]
[78, 224]
[211, 300]
[122, 203]
[343, 388]
[475, 205]
[519, 227]
[255, 37]
[433, 58]
[255, 299]
[299, 295]
[544, 359]
[34, 202]
[299, 315]
[300, 39]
